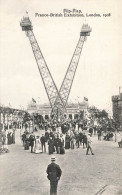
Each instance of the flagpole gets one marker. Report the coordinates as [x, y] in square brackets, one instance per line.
[33, 122]
[119, 90]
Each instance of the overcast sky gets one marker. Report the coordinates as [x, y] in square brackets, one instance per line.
[99, 73]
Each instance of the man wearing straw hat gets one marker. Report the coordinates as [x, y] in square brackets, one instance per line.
[54, 173]
[89, 145]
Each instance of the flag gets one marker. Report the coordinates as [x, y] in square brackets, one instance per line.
[34, 101]
[86, 99]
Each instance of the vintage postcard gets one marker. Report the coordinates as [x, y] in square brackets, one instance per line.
[60, 97]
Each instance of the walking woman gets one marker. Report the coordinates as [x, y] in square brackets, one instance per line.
[37, 148]
[67, 141]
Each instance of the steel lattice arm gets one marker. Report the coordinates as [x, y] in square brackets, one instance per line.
[69, 76]
[57, 99]
[49, 84]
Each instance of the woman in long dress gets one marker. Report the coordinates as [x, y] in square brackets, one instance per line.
[67, 141]
[51, 145]
[37, 145]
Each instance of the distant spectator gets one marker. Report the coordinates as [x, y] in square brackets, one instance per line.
[91, 131]
[32, 139]
[120, 144]
[89, 141]
[99, 133]
[43, 141]
[51, 145]
[84, 140]
[67, 141]
[23, 138]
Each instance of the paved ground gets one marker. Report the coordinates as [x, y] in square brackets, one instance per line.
[24, 173]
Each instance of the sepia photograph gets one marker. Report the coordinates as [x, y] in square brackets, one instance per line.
[60, 97]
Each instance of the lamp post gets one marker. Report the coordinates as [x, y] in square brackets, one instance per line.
[33, 122]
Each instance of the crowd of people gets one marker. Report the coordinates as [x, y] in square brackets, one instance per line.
[49, 142]
[54, 141]
[60, 137]
[8, 138]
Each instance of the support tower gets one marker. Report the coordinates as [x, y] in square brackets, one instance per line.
[57, 99]
[58, 110]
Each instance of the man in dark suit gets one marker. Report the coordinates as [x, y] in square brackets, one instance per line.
[31, 139]
[77, 137]
[51, 145]
[43, 141]
[84, 138]
[54, 173]
[57, 142]
[99, 132]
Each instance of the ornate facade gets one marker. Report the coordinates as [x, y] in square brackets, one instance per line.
[117, 110]
[73, 109]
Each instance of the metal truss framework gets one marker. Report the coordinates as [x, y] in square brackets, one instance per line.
[70, 73]
[49, 84]
[57, 99]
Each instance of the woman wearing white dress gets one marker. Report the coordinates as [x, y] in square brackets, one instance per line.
[37, 145]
